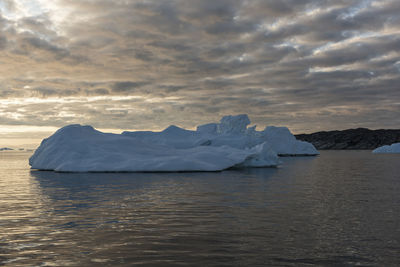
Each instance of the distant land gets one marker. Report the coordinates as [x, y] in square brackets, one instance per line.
[360, 138]
[5, 149]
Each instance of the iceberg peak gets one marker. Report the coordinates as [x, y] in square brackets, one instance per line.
[233, 124]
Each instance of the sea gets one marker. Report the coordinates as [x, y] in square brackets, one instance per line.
[341, 208]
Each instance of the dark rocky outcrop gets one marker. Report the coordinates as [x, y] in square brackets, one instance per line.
[5, 148]
[360, 138]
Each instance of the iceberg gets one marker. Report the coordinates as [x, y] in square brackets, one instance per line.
[77, 148]
[393, 148]
[211, 147]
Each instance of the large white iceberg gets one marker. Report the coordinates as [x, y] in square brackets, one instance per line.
[212, 147]
[77, 148]
[393, 148]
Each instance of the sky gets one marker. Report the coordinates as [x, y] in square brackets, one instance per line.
[310, 65]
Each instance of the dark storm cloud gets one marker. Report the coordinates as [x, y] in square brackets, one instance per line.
[304, 63]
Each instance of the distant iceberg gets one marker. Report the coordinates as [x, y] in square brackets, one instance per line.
[393, 148]
[212, 147]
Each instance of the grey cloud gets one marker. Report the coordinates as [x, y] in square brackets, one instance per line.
[172, 88]
[280, 8]
[386, 13]
[225, 49]
[42, 91]
[98, 91]
[42, 44]
[162, 15]
[4, 23]
[170, 45]
[126, 86]
[359, 51]
[335, 24]
[144, 55]
[218, 83]
[211, 9]
[5, 93]
[93, 41]
[46, 92]
[158, 110]
[231, 26]
[39, 25]
[3, 42]
[345, 75]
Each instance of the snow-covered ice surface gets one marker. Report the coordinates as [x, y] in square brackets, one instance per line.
[212, 147]
[393, 148]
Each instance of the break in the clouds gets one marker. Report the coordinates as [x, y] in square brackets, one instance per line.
[129, 64]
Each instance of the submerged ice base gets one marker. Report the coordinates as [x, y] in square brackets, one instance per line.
[212, 147]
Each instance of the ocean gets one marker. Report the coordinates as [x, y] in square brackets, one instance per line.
[341, 208]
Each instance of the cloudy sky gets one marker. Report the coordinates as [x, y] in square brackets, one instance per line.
[128, 64]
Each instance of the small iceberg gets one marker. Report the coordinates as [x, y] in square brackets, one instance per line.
[393, 148]
[212, 147]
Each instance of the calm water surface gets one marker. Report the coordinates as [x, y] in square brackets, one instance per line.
[341, 208]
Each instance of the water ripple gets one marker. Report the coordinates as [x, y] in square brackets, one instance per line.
[338, 209]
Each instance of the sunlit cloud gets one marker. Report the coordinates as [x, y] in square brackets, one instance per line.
[7, 129]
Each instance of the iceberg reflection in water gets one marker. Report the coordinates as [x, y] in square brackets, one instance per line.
[341, 208]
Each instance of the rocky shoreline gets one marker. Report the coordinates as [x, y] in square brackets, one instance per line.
[360, 138]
